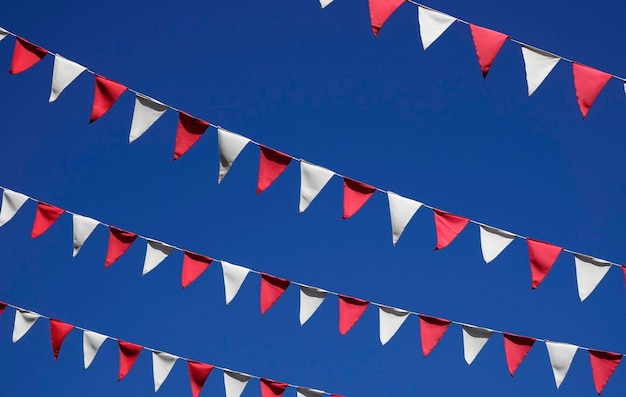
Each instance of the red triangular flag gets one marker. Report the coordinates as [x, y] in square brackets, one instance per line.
[271, 289]
[271, 165]
[588, 83]
[128, 355]
[487, 43]
[603, 364]
[2, 307]
[271, 388]
[542, 257]
[515, 349]
[189, 130]
[350, 310]
[44, 218]
[119, 242]
[193, 266]
[448, 226]
[431, 331]
[198, 373]
[624, 270]
[106, 93]
[25, 55]
[380, 11]
[58, 332]
[355, 195]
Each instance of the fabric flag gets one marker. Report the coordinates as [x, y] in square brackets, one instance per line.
[493, 241]
[233, 278]
[44, 218]
[542, 257]
[323, 3]
[2, 307]
[313, 178]
[310, 300]
[589, 272]
[24, 320]
[11, 203]
[271, 388]
[515, 349]
[119, 242]
[355, 195]
[198, 374]
[147, 111]
[624, 271]
[432, 24]
[230, 146]
[272, 163]
[538, 64]
[431, 331]
[234, 383]
[63, 73]
[588, 83]
[448, 226]
[603, 364]
[189, 130]
[390, 321]
[3, 34]
[561, 357]
[107, 91]
[83, 227]
[487, 43]
[25, 55]
[350, 310]
[308, 392]
[193, 266]
[380, 11]
[162, 364]
[128, 355]
[272, 288]
[156, 252]
[401, 210]
[58, 332]
[91, 344]
[474, 339]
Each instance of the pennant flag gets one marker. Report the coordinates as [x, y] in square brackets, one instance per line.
[390, 320]
[542, 257]
[271, 289]
[432, 25]
[588, 83]
[24, 320]
[128, 355]
[2, 307]
[44, 218]
[63, 73]
[561, 357]
[313, 178]
[307, 392]
[487, 43]
[589, 272]
[493, 241]
[11, 203]
[271, 388]
[156, 252]
[515, 349]
[380, 11]
[272, 164]
[603, 364]
[324, 3]
[91, 344]
[350, 310]
[193, 266]
[401, 210]
[234, 383]
[162, 364]
[25, 55]
[355, 195]
[474, 339]
[106, 93]
[431, 331]
[3, 34]
[190, 129]
[538, 65]
[623, 270]
[83, 227]
[230, 146]
[119, 242]
[58, 332]
[233, 278]
[198, 374]
[448, 226]
[310, 300]
[147, 111]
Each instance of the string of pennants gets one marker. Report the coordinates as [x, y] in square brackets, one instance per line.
[351, 309]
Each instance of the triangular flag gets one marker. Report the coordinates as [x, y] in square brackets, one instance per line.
[198, 374]
[233, 278]
[63, 73]
[24, 320]
[58, 332]
[128, 355]
[119, 242]
[561, 357]
[234, 383]
[91, 344]
[271, 289]
[538, 65]
[355, 195]
[390, 320]
[44, 218]
[380, 11]
[431, 331]
[11, 203]
[147, 111]
[401, 210]
[432, 24]
[230, 146]
[588, 83]
[2, 307]
[162, 364]
[3, 34]
[310, 300]
[193, 266]
[542, 257]
[487, 43]
[271, 388]
[515, 349]
[189, 130]
[83, 227]
[448, 226]
[624, 271]
[603, 364]
[324, 3]
[313, 178]
[493, 241]
[350, 310]
[106, 93]
[474, 339]
[272, 163]
[308, 392]
[156, 252]
[589, 272]
[25, 55]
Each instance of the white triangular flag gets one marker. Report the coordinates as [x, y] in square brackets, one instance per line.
[391, 319]
[230, 145]
[474, 339]
[324, 3]
[156, 252]
[589, 272]
[561, 357]
[493, 241]
[147, 112]
[11, 203]
[233, 278]
[24, 320]
[625, 86]
[162, 364]
[310, 299]
[313, 178]
[3, 34]
[402, 210]
[83, 227]
[538, 64]
[234, 383]
[91, 344]
[307, 392]
[64, 72]
[432, 24]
